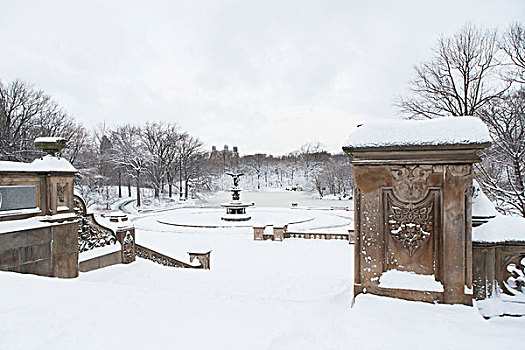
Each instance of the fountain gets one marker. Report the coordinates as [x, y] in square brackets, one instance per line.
[236, 210]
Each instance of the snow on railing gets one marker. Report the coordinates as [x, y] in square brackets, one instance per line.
[159, 258]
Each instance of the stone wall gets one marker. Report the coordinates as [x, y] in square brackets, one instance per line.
[47, 251]
[101, 261]
[38, 227]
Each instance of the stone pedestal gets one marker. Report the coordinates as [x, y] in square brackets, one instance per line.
[413, 215]
[278, 233]
[258, 233]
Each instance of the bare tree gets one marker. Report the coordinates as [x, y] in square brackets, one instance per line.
[255, 163]
[161, 141]
[189, 149]
[20, 105]
[26, 113]
[503, 173]
[130, 153]
[459, 80]
[513, 44]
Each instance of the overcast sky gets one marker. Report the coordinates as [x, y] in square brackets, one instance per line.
[266, 76]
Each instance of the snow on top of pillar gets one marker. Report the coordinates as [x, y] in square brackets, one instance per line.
[430, 132]
[45, 164]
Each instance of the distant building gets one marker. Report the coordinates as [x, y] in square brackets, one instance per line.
[226, 157]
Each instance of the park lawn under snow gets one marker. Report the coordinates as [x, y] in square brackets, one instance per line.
[294, 294]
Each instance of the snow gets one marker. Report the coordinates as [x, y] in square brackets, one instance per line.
[93, 253]
[299, 220]
[502, 304]
[439, 131]
[49, 139]
[44, 164]
[396, 279]
[14, 166]
[502, 228]
[52, 164]
[20, 212]
[33, 223]
[481, 204]
[295, 294]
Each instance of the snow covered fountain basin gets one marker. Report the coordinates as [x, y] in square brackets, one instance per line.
[211, 217]
[236, 211]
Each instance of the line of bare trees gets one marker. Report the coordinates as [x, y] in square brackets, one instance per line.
[157, 156]
[27, 113]
[309, 168]
[480, 72]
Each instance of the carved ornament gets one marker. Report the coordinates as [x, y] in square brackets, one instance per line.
[61, 193]
[128, 244]
[411, 181]
[409, 224]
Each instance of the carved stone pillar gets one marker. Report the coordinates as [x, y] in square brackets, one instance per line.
[258, 233]
[126, 237]
[412, 208]
[278, 233]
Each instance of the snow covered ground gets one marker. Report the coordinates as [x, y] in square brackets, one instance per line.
[295, 294]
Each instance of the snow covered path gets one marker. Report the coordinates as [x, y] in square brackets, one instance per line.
[294, 294]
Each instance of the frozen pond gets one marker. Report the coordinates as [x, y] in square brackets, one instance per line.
[277, 199]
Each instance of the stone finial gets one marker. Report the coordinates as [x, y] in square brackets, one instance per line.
[50, 145]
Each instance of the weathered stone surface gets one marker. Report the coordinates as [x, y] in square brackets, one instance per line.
[17, 197]
[412, 213]
[100, 262]
[491, 263]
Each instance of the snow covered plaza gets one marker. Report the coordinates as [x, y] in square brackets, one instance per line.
[341, 288]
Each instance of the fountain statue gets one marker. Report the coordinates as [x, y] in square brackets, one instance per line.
[236, 210]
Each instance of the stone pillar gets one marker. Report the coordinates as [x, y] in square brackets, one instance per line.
[258, 233]
[412, 210]
[126, 237]
[278, 233]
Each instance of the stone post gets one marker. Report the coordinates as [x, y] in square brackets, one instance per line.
[412, 209]
[258, 233]
[278, 233]
[126, 237]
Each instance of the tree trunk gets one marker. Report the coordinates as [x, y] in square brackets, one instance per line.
[129, 188]
[138, 189]
[169, 180]
[119, 184]
[180, 179]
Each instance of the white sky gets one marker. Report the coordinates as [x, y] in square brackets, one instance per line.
[266, 76]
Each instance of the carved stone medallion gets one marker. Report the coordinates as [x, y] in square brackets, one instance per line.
[409, 224]
[410, 183]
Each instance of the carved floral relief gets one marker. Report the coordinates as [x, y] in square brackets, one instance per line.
[411, 225]
[411, 182]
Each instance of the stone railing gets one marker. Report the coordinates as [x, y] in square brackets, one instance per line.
[281, 232]
[159, 258]
[498, 268]
[91, 234]
[342, 236]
